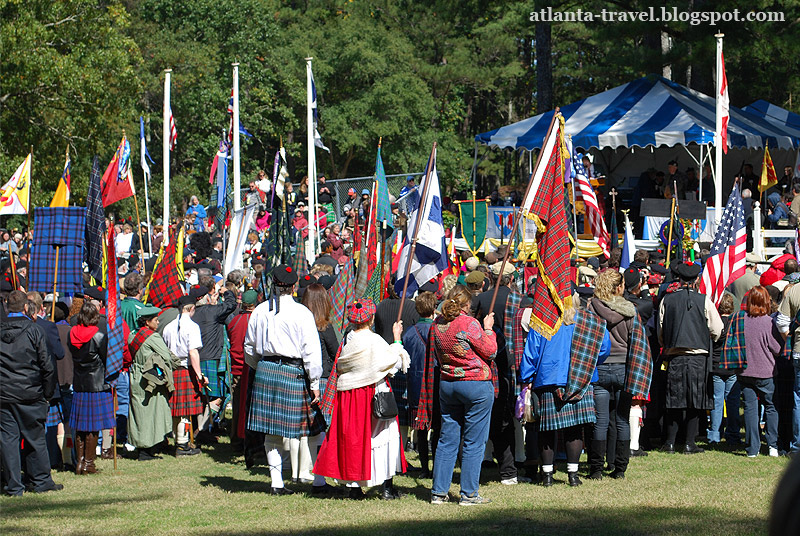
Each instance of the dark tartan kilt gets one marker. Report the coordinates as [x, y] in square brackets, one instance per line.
[556, 415]
[399, 383]
[185, 400]
[323, 383]
[92, 412]
[54, 415]
[281, 403]
[209, 368]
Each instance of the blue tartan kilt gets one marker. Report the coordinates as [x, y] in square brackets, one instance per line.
[556, 414]
[211, 369]
[92, 412]
[399, 384]
[281, 403]
[54, 414]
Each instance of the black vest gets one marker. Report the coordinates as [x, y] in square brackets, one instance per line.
[89, 365]
[685, 324]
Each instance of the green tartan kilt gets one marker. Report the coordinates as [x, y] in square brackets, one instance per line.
[281, 403]
[556, 414]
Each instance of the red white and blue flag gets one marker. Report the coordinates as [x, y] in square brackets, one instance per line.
[596, 222]
[242, 130]
[726, 261]
[173, 132]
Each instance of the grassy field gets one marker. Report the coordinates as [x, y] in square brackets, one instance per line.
[711, 493]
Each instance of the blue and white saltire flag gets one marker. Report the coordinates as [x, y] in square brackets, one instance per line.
[430, 255]
[145, 155]
[222, 173]
[628, 246]
[317, 137]
[242, 130]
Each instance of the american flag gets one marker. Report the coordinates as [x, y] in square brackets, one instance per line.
[726, 261]
[596, 223]
[173, 133]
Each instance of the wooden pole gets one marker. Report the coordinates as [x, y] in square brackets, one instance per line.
[521, 215]
[671, 222]
[55, 282]
[30, 196]
[414, 237]
[474, 230]
[114, 441]
[138, 227]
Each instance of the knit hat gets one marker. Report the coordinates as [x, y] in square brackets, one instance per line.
[474, 277]
[198, 291]
[361, 311]
[96, 293]
[632, 278]
[687, 271]
[306, 280]
[471, 263]
[250, 297]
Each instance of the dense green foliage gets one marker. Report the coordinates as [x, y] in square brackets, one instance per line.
[79, 72]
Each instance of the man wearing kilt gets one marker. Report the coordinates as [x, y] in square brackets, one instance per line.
[282, 345]
[560, 371]
[183, 339]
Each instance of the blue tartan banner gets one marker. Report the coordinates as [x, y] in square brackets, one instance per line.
[62, 229]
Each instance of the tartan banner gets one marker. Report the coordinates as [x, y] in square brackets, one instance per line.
[473, 216]
[342, 293]
[384, 213]
[165, 286]
[95, 223]
[57, 229]
[116, 333]
[299, 262]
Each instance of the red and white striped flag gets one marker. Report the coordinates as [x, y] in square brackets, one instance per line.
[596, 222]
[173, 133]
[724, 105]
[726, 261]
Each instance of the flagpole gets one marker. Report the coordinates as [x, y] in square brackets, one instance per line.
[671, 222]
[165, 153]
[30, 197]
[311, 250]
[417, 225]
[237, 179]
[718, 136]
[516, 220]
[55, 282]
[146, 203]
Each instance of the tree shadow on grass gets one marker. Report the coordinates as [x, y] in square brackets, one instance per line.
[494, 519]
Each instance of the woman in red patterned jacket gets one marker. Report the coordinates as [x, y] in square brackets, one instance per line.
[464, 350]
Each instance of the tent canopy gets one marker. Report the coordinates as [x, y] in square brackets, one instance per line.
[780, 117]
[650, 111]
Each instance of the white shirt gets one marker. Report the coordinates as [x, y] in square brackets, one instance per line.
[180, 342]
[290, 333]
[122, 243]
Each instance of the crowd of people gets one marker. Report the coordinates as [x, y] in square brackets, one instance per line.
[640, 361]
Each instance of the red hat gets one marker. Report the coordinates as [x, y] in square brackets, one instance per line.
[361, 311]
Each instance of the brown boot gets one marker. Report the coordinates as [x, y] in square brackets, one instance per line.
[91, 453]
[80, 449]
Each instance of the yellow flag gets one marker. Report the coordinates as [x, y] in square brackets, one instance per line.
[61, 199]
[15, 194]
[768, 176]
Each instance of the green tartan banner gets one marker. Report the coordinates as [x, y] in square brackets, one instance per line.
[473, 222]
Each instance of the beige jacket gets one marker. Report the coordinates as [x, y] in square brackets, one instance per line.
[367, 359]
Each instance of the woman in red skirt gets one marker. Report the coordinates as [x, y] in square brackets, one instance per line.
[361, 449]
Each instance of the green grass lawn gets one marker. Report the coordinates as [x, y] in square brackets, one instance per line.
[710, 493]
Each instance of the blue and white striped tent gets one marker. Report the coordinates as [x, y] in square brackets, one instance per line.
[781, 117]
[650, 111]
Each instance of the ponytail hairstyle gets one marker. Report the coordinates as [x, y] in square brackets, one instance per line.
[456, 299]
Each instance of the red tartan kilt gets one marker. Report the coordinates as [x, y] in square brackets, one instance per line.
[185, 400]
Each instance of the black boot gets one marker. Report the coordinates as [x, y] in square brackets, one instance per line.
[356, 494]
[621, 458]
[547, 479]
[596, 454]
[573, 479]
[389, 492]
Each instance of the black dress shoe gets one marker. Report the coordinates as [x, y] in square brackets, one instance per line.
[692, 449]
[669, 448]
[573, 479]
[280, 491]
[618, 475]
[54, 487]
[323, 491]
[597, 475]
[640, 452]
[356, 494]
[547, 479]
[424, 474]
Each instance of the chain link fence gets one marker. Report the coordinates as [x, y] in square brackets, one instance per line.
[341, 186]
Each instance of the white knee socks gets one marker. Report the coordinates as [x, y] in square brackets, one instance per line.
[635, 420]
[274, 460]
[180, 429]
[304, 463]
[294, 456]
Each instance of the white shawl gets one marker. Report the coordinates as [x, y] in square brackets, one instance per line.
[367, 359]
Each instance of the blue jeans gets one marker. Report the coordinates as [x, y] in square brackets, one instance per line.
[796, 413]
[727, 392]
[611, 382]
[466, 407]
[754, 389]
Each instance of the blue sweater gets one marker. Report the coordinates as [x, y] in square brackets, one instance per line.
[547, 362]
[415, 341]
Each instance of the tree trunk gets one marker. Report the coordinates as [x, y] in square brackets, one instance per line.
[544, 65]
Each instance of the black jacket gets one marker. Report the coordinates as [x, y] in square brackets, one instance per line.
[211, 319]
[89, 365]
[27, 373]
